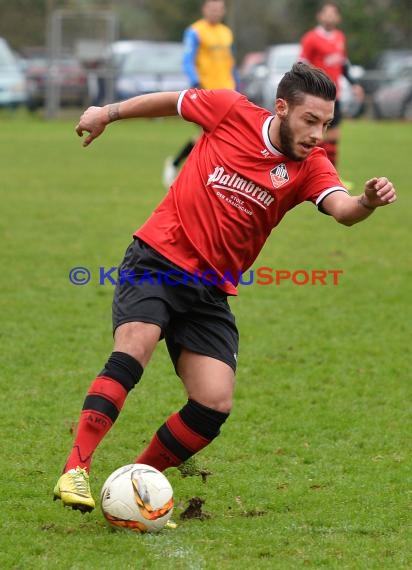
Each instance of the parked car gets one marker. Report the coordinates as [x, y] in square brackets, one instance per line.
[261, 83]
[13, 91]
[278, 60]
[67, 74]
[385, 68]
[250, 60]
[247, 71]
[252, 73]
[394, 99]
[151, 66]
[117, 51]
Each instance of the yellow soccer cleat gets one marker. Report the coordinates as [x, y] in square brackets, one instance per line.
[73, 488]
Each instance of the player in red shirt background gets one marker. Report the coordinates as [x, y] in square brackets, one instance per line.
[325, 47]
[246, 171]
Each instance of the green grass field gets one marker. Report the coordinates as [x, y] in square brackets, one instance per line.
[313, 469]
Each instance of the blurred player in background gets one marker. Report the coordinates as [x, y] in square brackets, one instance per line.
[325, 47]
[208, 62]
[248, 169]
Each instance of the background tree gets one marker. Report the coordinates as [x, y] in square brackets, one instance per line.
[370, 26]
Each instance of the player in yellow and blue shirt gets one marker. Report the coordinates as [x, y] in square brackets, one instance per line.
[208, 62]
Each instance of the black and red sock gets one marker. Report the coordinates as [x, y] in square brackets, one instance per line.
[104, 400]
[182, 435]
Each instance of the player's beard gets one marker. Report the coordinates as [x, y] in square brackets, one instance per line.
[287, 140]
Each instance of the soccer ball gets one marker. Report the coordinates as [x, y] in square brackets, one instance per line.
[137, 497]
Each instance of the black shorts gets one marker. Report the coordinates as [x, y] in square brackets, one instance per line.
[337, 116]
[190, 313]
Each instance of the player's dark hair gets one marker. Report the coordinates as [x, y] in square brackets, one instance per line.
[303, 80]
[332, 4]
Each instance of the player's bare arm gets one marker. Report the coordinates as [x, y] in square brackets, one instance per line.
[95, 119]
[349, 210]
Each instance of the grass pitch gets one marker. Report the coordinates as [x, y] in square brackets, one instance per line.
[313, 469]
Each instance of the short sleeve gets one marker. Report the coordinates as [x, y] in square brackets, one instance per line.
[206, 108]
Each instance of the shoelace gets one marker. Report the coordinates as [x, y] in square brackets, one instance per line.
[80, 481]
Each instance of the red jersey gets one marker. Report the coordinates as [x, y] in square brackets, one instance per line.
[234, 188]
[326, 50]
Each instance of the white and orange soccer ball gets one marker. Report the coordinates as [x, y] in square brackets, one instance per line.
[137, 497]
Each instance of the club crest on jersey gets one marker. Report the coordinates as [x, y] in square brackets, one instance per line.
[279, 175]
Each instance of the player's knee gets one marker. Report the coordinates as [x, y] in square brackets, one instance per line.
[223, 406]
[219, 403]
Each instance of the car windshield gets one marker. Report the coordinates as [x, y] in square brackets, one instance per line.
[154, 59]
[282, 58]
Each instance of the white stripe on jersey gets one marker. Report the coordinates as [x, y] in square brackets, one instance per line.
[329, 191]
[179, 102]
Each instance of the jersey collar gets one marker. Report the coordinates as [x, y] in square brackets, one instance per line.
[265, 135]
[325, 33]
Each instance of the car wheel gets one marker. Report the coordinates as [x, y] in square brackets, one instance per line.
[407, 110]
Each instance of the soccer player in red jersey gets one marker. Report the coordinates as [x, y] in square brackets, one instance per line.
[248, 169]
[325, 46]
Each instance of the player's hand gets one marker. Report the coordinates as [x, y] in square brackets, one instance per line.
[379, 192]
[93, 121]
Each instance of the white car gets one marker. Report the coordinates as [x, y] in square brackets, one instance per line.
[13, 89]
[393, 100]
[277, 61]
[151, 66]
